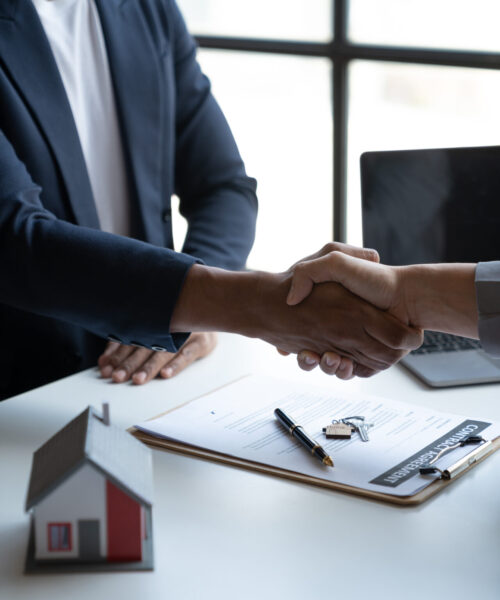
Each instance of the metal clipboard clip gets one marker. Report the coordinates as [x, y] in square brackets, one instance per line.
[462, 464]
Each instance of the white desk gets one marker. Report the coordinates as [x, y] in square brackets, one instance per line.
[220, 532]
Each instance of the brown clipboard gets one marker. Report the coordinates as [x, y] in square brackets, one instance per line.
[194, 451]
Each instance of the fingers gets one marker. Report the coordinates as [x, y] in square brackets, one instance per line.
[112, 357]
[150, 368]
[362, 371]
[123, 363]
[104, 359]
[392, 333]
[330, 363]
[168, 365]
[283, 352]
[110, 348]
[363, 253]
[308, 360]
[345, 369]
[376, 356]
[334, 364]
[387, 341]
[197, 346]
[135, 362]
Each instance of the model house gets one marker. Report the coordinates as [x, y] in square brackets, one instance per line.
[90, 493]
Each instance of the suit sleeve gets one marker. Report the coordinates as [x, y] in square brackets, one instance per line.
[488, 303]
[216, 196]
[108, 284]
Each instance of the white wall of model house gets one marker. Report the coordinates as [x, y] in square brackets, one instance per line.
[81, 496]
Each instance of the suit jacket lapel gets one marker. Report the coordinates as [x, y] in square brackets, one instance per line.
[139, 97]
[26, 53]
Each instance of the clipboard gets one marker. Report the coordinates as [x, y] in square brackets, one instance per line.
[470, 460]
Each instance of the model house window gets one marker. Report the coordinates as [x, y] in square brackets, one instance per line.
[59, 537]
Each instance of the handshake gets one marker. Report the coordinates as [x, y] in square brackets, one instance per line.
[338, 308]
[440, 297]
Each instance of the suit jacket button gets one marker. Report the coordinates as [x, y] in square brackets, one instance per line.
[158, 349]
[166, 215]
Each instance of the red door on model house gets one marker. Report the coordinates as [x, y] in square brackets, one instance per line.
[125, 525]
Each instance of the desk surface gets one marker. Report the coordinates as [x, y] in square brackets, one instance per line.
[220, 532]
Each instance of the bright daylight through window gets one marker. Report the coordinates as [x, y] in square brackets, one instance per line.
[407, 76]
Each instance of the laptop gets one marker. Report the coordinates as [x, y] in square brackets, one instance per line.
[432, 206]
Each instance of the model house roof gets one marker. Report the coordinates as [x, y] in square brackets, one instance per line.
[86, 439]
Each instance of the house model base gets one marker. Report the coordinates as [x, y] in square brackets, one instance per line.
[33, 566]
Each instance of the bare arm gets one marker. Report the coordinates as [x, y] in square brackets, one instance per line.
[441, 297]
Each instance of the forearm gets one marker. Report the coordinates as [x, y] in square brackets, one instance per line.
[213, 299]
[441, 297]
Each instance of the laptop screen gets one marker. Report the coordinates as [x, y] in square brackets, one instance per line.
[425, 206]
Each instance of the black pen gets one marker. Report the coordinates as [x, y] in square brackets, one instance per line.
[297, 431]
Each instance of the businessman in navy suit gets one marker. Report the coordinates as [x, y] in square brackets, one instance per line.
[68, 284]
[174, 140]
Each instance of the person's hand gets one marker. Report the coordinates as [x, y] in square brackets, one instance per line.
[332, 363]
[254, 304]
[332, 319]
[439, 297]
[122, 363]
[381, 285]
[368, 254]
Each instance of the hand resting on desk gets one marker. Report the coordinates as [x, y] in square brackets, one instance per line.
[123, 363]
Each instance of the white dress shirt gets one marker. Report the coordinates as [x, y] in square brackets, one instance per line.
[74, 32]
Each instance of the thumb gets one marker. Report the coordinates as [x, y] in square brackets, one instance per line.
[368, 280]
[307, 273]
[326, 267]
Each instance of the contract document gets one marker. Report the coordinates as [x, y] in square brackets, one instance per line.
[238, 421]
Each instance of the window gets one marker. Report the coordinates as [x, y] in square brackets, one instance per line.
[59, 537]
[452, 24]
[275, 19]
[308, 86]
[279, 111]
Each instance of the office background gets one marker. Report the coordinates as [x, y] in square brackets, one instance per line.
[307, 85]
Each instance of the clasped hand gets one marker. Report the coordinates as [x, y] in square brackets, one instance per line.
[357, 270]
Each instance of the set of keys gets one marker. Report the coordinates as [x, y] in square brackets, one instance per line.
[342, 429]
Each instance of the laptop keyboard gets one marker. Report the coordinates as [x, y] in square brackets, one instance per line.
[435, 341]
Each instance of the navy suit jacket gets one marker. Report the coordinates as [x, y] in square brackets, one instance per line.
[66, 286]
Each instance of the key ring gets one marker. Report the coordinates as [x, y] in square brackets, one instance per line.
[355, 417]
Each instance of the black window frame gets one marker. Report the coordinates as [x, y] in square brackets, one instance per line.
[341, 51]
